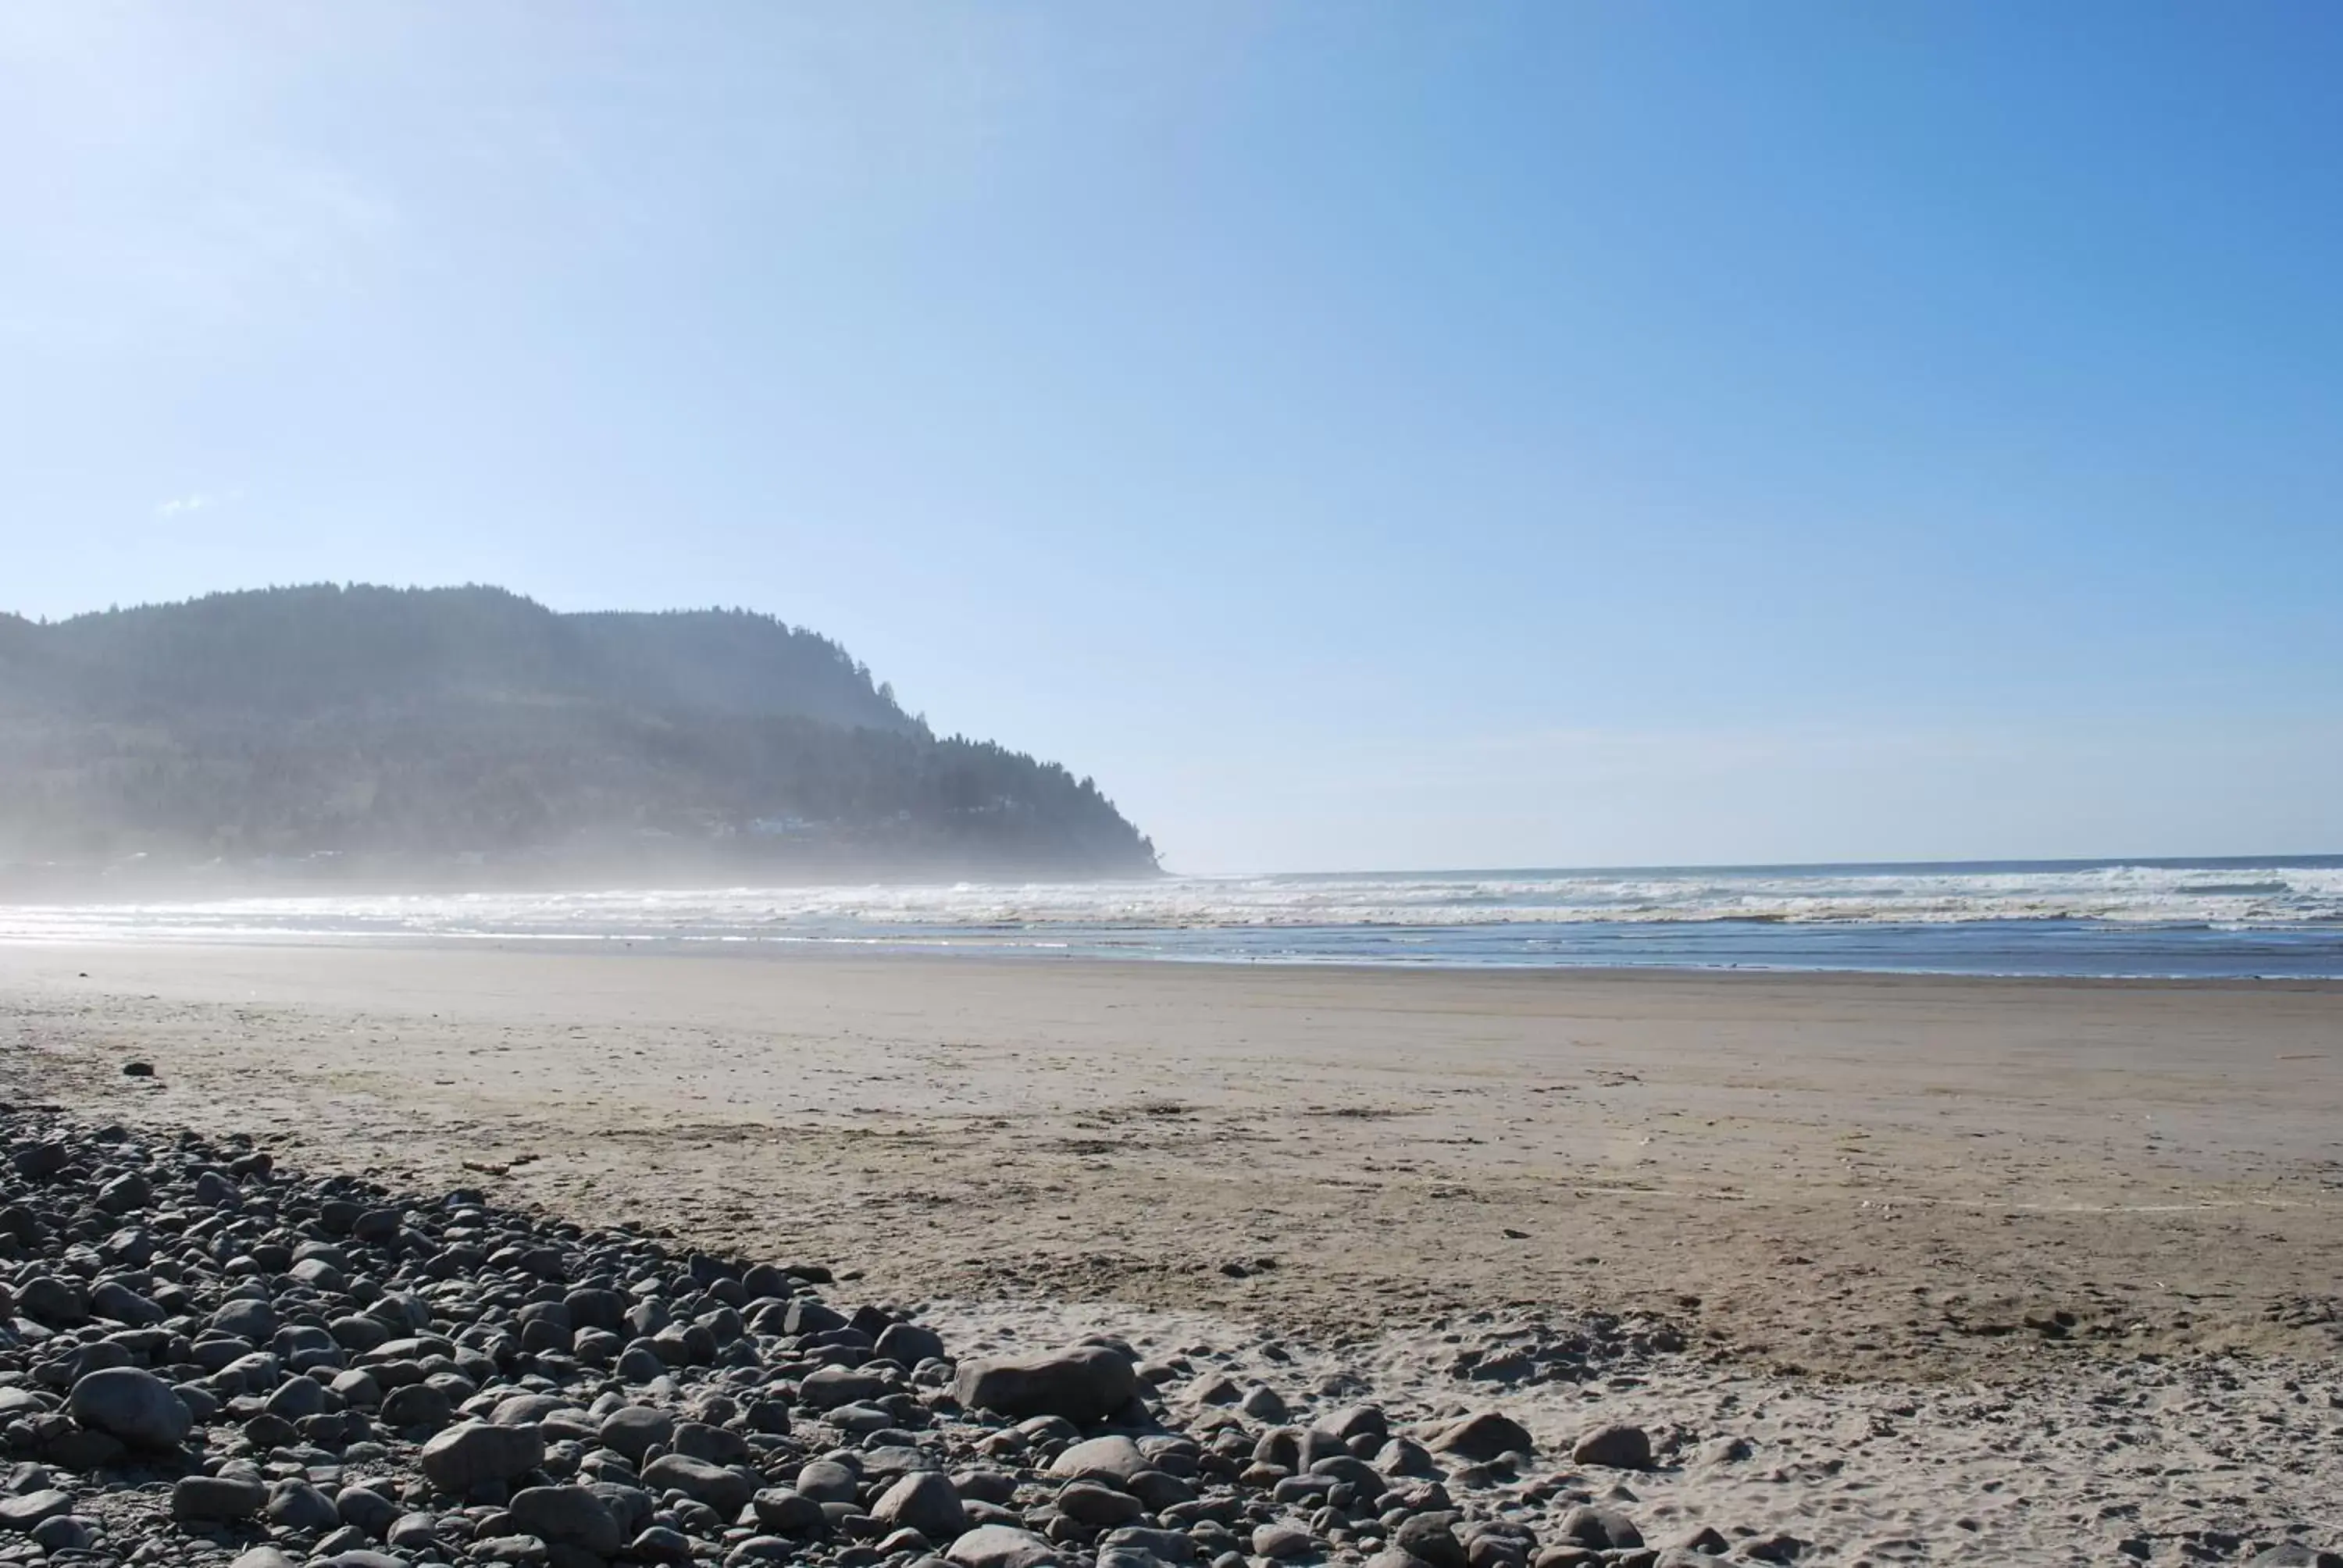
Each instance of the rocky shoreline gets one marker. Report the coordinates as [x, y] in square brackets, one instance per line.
[209, 1360]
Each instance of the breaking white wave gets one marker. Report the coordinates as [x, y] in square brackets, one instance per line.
[2276, 897]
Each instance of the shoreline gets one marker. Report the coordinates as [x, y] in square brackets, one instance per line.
[1860, 1175]
[2176, 919]
[887, 949]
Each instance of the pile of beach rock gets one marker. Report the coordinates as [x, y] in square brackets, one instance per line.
[205, 1360]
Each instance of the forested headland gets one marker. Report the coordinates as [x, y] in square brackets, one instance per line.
[325, 732]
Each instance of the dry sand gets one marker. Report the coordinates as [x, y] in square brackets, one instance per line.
[2009, 1270]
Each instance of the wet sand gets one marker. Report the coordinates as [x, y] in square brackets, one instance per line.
[1864, 1177]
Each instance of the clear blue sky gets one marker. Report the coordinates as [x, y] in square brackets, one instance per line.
[1359, 433]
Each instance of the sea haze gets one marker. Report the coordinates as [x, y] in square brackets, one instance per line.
[2269, 918]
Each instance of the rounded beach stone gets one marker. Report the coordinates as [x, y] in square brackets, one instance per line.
[1601, 1528]
[1617, 1445]
[1263, 1402]
[419, 1404]
[366, 1509]
[1116, 1456]
[1086, 1383]
[568, 1516]
[1361, 1423]
[295, 1504]
[64, 1533]
[831, 1387]
[34, 1508]
[217, 1499]
[114, 1299]
[909, 1344]
[39, 1161]
[250, 1319]
[660, 1544]
[633, 1429]
[1485, 1436]
[467, 1456]
[788, 1511]
[1428, 1538]
[925, 1502]
[133, 1405]
[264, 1557]
[1001, 1546]
[826, 1481]
[1278, 1540]
[726, 1490]
[1100, 1507]
[1173, 1546]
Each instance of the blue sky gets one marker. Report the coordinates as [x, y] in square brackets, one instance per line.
[1360, 435]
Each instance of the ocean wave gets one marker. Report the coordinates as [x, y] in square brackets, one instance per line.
[2278, 896]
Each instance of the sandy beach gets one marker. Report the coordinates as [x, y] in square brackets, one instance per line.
[1915, 1240]
[1844, 1174]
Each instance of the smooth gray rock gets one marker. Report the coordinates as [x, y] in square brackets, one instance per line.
[1601, 1528]
[113, 1299]
[1485, 1437]
[831, 1387]
[1084, 1384]
[660, 1544]
[1357, 1472]
[568, 1516]
[217, 1499]
[726, 1490]
[1404, 1456]
[419, 1404]
[712, 1443]
[264, 1557]
[785, 1511]
[1116, 1456]
[925, 1502]
[295, 1504]
[1263, 1402]
[1278, 1540]
[367, 1510]
[1099, 1507]
[1616, 1446]
[1361, 1423]
[133, 1405]
[63, 1533]
[826, 1481]
[1000, 1546]
[413, 1532]
[909, 1344]
[466, 1456]
[1428, 1538]
[247, 1318]
[633, 1429]
[527, 1409]
[34, 1507]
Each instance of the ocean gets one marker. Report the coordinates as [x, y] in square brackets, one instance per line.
[2271, 918]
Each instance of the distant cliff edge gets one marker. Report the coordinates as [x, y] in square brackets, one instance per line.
[418, 734]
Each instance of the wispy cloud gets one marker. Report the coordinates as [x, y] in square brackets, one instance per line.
[195, 501]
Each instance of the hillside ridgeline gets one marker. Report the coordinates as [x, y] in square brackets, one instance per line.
[364, 732]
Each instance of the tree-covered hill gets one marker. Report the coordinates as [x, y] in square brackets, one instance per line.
[376, 726]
